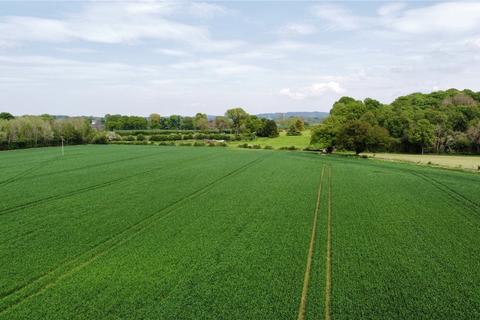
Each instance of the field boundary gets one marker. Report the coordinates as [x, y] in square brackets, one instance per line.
[49, 279]
[328, 272]
[306, 278]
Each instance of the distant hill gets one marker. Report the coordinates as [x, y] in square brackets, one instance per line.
[311, 116]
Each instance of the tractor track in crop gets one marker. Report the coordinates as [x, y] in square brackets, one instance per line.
[25, 173]
[49, 279]
[328, 271]
[80, 191]
[461, 199]
[306, 279]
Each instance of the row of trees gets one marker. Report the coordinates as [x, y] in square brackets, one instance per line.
[235, 120]
[36, 131]
[442, 122]
[46, 130]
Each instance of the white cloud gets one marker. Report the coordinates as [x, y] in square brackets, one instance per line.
[172, 52]
[339, 18]
[220, 67]
[118, 22]
[205, 10]
[314, 90]
[77, 50]
[441, 18]
[449, 17]
[33, 29]
[391, 9]
[298, 29]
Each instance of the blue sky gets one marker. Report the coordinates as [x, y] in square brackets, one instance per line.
[183, 57]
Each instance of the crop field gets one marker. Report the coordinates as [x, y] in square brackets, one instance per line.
[147, 232]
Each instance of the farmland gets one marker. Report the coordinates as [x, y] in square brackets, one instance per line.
[468, 162]
[147, 232]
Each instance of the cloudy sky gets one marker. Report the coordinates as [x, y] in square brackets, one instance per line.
[182, 57]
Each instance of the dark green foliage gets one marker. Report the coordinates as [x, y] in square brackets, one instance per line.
[6, 116]
[100, 138]
[293, 131]
[140, 137]
[119, 122]
[198, 144]
[437, 122]
[291, 148]
[268, 128]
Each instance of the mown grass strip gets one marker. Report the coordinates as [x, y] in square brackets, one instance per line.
[328, 273]
[306, 279]
[50, 278]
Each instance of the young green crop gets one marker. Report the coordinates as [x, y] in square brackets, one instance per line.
[142, 232]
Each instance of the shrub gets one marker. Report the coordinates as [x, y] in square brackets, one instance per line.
[156, 137]
[291, 148]
[257, 146]
[293, 131]
[188, 136]
[243, 145]
[268, 147]
[221, 144]
[185, 144]
[129, 138]
[100, 138]
[140, 137]
[312, 148]
[199, 144]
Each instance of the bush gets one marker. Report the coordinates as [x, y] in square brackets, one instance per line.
[188, 136]
[185, 144]
[257, 146]
[100, 138]
[156, 137]
[199, 144]
[312, 148]
[243, 145]
[140, 137]
[129, 138]
[291, 148]
[221, 144]
[268, 147]
[165, 143]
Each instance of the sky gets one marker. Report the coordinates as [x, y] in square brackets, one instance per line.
[184, 57]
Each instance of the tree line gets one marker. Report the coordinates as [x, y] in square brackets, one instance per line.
[235, 120]
[45, 130]
[441, 122]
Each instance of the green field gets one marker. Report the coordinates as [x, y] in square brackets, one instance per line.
[147, 232]
[282, 140]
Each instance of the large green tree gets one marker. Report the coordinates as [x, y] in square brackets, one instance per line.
[238, 117]
[422, 134]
